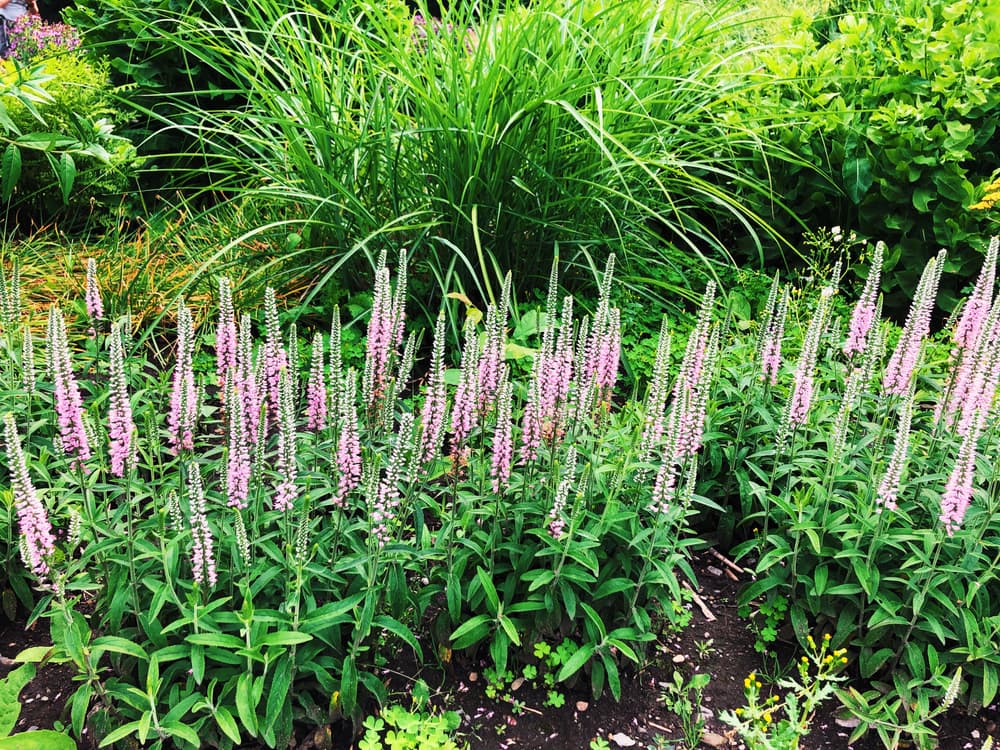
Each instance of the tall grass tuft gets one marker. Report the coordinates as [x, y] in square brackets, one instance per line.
[492, 136]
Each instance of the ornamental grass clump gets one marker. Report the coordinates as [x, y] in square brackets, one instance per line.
[864, 482]
[256, 528]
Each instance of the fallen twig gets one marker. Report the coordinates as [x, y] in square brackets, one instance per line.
[727, 562]
[699, 601]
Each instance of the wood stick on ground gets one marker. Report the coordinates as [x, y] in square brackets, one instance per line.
[727, 562]
[700, 602]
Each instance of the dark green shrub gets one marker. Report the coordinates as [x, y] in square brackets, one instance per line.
[899, 106]
[62, 158]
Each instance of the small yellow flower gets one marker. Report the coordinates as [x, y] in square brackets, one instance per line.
[827, 636]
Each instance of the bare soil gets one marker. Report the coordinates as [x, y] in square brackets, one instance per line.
[722, 648]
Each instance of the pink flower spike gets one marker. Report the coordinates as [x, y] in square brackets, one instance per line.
[33, 520]
[977, 307]
[121, 427]
[95, 307]
[225, 333]
[184, 394]
[903, 362]
[864, 311]
[317, 397]
[957, 493]
[68, 403]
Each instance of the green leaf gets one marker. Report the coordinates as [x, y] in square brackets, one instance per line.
[227, 724]
[857, 176]
[574, 663]
[186, 733]
[10, 689]
[349, 685]
[398, 629]
[990, 684]
[119, 734]
[246, 704]
[39, 739]
[10, 171]
[277, 694]
[614, 681]
[285, 638]
[67, 176]
[492, 600]
[218, 640]
[78, 707]
[119, 646]
[470, 632]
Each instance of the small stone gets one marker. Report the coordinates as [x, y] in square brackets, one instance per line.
[622, 740]
[679, 659]
[847, 722]
[713, 570]
[714, 740]
[473, 676]
[975, 734]
[516, 684]
[582, 706]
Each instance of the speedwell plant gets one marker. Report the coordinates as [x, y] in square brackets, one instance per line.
[254, 528]
[864, 468]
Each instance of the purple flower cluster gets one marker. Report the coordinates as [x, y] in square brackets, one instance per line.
[285, 492]
[435, 406]
[385, 507]
[238, 466]
[348, 443]
[121, 427]
[465, 411]
[863, 315]
[491, 360]
[503, 440]
[69, 405]
[33, 39]
[184, 395]
[802, 388]
[317, 397]
[385, 329]
[36, 531]
[202, 552]
[888, 489]
[92, 297]
[903, 362]
[225, 333]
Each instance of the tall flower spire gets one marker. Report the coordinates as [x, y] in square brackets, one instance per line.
[285, 492]
[92, 297]
[69, 405]
[184, 394]
[903, 362]
[348, 442]
[802, 389]
[121, 427]
[433, 412]
[503, 443]
[317, 398]
[977, 307]
[202, 547]
[864, 311]
[225, 333]
[36, 531]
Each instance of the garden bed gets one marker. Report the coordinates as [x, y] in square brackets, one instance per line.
[722, 648]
